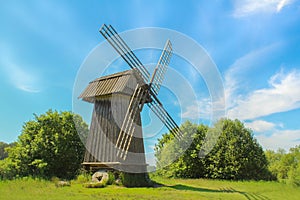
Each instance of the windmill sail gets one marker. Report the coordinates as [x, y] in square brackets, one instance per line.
[156, 106]
[128, 127]
[161, 68]
[155, 84]
[111, 35]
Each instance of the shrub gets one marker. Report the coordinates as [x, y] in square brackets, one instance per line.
[82, 178]
[111, 178]
[8, 169]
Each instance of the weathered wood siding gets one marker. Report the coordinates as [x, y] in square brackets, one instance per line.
[107, 118]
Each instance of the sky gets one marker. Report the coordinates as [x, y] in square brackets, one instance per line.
[255, 45]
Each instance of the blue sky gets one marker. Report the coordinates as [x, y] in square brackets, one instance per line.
[255, 45]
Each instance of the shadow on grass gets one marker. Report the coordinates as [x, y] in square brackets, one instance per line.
[191, 188]
[249, 196]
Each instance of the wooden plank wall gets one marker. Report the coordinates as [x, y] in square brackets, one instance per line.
[107, 118]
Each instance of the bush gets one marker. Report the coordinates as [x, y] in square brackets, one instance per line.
[82, 178]
[8, 169]
[48, 146]
[111, 178]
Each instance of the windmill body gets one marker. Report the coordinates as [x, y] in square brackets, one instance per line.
[115, 139]
[111, 97]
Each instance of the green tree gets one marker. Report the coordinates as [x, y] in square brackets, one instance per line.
[185, 151]
[274, 159]
[49, 146]
[294, 171]
[285, 166]
[3, 153]
[3, 147]
[235, 155]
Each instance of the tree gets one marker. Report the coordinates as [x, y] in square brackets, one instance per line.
[285, 166]
[3, 153]
[185, 151]
[3, 147]
[236, 154]
[294, 171]
[49, 146]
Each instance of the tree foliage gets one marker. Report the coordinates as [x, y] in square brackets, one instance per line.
[184, 152]
[48, 146]
[285, 166]
[3, 152]
[235, 155]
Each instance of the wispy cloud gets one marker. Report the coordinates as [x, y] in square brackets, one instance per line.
[22, 79]
[280, 138]
[271, 136]
[260, 126]
[249, 7]
[282, 95]
[198, 109]
[18, 74]
[237, 72]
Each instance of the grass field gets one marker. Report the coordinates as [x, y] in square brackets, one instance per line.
[171, 189]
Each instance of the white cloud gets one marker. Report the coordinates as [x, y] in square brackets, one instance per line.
[280, 139]
[260, 126]
[198, 109]
[22, 79]
[249, 7]
[235, 79]
[282, 95]
[18, 75]
[281, 4]
[234, 76]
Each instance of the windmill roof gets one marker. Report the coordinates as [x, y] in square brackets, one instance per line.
[121, 82]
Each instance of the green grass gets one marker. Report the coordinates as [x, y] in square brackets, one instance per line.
[171, 189]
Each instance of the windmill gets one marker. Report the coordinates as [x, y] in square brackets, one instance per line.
[115, 139]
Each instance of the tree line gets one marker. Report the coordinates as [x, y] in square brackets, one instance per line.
[50, 146]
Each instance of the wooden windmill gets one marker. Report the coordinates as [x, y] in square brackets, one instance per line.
[115, 139]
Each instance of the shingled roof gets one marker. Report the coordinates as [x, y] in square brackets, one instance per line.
[122, 82]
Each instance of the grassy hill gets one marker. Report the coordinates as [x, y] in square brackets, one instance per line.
[170, 189]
